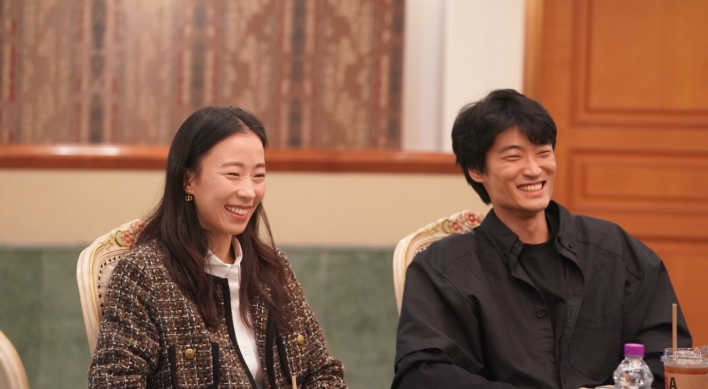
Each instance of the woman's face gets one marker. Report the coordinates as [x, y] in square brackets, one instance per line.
[229, 186]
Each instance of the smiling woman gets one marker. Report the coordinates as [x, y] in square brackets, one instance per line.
[202, 297]
[227, 188]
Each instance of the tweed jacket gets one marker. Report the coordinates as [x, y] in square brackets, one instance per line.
[152, 336]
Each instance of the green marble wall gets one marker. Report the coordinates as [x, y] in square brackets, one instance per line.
[350, 290]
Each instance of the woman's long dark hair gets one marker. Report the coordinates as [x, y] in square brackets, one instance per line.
[174, 223]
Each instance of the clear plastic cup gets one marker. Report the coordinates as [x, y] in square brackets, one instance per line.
[687, 369]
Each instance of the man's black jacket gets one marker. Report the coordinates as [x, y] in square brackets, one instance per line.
[472, 318]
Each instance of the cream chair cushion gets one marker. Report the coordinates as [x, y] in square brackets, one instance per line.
[418, 241]
[94, 269]
[12, 372]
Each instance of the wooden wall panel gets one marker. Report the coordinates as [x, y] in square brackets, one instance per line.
[658, 224]
[627, 83]
[640, 181]
[641, 62]
[669, 75]
[687, 264]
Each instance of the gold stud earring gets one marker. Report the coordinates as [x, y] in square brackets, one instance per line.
[189, 197]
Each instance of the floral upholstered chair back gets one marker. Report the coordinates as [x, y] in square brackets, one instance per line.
[418, 241]
[12, 372]
[94, 270]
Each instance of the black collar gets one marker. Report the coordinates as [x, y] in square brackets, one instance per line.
[508, 244]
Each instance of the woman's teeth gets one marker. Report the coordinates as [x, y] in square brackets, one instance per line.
[237, 211]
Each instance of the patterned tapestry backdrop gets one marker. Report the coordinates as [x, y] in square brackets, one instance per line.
[318, 73]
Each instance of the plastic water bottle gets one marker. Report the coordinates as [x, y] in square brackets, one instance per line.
[633, 372]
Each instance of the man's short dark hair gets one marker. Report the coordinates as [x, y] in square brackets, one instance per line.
[478, 124]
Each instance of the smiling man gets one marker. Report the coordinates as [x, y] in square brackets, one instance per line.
[535, 297]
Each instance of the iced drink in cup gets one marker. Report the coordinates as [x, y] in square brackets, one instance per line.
[686, 369]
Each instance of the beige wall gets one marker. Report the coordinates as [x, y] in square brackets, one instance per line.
[74, 207]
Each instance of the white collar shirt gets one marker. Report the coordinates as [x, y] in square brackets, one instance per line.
[245, 337]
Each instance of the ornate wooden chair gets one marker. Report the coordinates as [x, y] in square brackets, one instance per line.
[418, 241]
[96, 263]
[12, 372]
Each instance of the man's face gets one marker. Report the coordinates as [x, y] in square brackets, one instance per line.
[520, 175]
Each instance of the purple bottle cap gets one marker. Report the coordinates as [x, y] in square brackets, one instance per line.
[634, 350]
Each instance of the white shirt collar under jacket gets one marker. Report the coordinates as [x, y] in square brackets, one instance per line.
[245, 338]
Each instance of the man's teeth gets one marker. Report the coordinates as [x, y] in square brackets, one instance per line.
[531, 188]
[238, 211]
